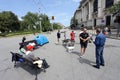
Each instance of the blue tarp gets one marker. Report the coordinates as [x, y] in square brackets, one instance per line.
[41, 39]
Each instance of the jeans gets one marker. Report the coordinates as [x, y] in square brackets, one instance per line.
[99, 56]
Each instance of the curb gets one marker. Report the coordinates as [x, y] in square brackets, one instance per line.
[111, 37]
[118, 38]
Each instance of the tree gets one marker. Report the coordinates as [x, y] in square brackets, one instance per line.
[46, 26]
[32, 20]
[29, 21]
[8, 22]
[23, 26]
[115, 8]
[73, 22]
[57, 26]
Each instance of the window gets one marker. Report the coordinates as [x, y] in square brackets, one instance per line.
[95, 4]
[108, 20]
[109, 3]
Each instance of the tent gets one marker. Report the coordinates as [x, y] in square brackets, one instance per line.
[41, 39]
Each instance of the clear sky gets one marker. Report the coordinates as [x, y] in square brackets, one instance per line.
[63, 10]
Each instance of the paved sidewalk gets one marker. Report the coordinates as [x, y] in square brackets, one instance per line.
[112, 36]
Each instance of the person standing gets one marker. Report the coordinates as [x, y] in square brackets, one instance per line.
[99, 44]
[72, 36]
[58, 35]
[84, 37]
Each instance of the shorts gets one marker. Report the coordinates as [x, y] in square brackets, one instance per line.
[83, 45]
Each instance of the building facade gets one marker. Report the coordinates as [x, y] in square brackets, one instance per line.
[94, 13]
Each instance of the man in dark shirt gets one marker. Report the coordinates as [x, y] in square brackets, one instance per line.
[84, 37]
[99, 43]
[58, 35]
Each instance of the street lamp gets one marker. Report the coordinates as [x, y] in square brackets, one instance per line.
[52, 22]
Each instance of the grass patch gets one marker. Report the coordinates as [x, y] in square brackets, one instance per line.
[15, 33]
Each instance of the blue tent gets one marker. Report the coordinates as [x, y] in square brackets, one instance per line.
[41, 39]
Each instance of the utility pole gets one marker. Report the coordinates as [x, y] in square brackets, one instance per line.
[40, 25]
[40, 21]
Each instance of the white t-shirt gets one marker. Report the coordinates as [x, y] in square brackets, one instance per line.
[28, 52]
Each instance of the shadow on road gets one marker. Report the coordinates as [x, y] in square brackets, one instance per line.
[86, 61]
[28, 68]
[76, 52]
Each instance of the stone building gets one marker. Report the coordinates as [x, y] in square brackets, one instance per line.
[94, 13]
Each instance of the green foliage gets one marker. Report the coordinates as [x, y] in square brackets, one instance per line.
[30, 21]
[45, 23]
[73, 21]
[15, 33]
[8, 22]
[115, 8]
[57, 26]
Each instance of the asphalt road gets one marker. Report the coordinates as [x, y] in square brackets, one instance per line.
[63, 65]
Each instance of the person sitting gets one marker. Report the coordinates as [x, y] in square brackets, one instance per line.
[26, 53]
[23, 39]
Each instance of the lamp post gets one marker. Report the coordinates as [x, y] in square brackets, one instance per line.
[52, 22]
[52, 25]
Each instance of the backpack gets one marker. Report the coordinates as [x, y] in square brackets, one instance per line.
[45, 64]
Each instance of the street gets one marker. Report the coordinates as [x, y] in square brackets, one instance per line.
[63, 65]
